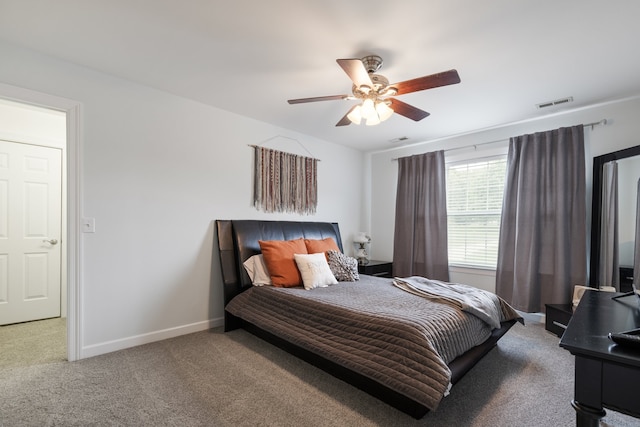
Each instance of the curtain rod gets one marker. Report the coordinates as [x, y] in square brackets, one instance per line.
[475, 146]
[284, 137]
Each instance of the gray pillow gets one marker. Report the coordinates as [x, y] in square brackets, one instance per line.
[343, 267]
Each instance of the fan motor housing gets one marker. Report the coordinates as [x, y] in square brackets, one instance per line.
[372, 63]
[380, 83]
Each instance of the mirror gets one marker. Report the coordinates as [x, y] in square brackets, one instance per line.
[628, 164]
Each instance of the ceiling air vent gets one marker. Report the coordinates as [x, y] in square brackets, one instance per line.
[554, 103]
[398, 140]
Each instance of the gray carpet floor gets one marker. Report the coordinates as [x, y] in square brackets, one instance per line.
[235, 379]
[33, 343]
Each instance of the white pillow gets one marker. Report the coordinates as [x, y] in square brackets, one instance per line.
[257, 271]
[314, 270]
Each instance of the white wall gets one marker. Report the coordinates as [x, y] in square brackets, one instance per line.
[157, 170]
[621, 131]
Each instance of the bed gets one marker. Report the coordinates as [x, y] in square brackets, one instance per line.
[345, 330]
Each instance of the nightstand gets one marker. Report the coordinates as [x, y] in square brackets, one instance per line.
[626, 278]
[557, 317]
[377, 268]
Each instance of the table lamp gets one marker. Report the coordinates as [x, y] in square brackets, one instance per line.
[361, 244]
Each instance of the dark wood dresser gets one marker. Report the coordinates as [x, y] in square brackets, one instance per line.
[607, 375]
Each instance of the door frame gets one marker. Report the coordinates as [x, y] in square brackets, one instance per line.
[73, 110]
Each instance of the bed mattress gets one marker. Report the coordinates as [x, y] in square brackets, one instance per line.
[401, 340]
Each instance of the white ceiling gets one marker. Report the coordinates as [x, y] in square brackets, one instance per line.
[250, 56]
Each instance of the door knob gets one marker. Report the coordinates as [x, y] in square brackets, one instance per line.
[51, 242]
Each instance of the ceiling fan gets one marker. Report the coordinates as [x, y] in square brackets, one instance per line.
[377, 94]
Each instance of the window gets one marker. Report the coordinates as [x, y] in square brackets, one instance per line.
[474, 205]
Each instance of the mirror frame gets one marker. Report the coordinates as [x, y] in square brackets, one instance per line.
[596, 207]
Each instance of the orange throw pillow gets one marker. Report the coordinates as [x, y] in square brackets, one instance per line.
[324, 245]
[278, 256]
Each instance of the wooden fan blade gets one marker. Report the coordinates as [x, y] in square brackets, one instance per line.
[344, 121]
[356, 71]
[407, 110]
[427, 82]
[317, 98]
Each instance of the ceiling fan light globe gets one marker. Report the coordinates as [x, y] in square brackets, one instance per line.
[355, 115]
[373, 120]
[368, 108]
[383, 110]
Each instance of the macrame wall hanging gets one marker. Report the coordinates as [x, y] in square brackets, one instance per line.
[284, 182]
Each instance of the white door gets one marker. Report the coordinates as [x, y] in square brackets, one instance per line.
[30, 232]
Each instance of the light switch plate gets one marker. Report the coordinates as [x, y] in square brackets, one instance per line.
[88, 225]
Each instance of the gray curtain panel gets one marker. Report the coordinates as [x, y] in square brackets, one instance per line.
[636, 254]
[420, 239]
[542, 252]
[609, 253]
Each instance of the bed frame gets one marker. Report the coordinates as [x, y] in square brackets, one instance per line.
[237, 240]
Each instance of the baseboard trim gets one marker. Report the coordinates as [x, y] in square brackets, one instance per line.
[121, 344]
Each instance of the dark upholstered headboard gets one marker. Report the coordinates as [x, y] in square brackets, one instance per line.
[238, 240]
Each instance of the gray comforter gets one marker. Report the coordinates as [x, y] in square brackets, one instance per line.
[374, 328]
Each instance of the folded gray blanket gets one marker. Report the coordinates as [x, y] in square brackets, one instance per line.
[480, 303]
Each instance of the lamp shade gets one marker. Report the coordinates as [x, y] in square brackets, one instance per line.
[362, 237]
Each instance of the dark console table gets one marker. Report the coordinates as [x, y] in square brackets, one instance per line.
[606, 374]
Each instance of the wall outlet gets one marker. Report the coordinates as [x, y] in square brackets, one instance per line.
[88, 225]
